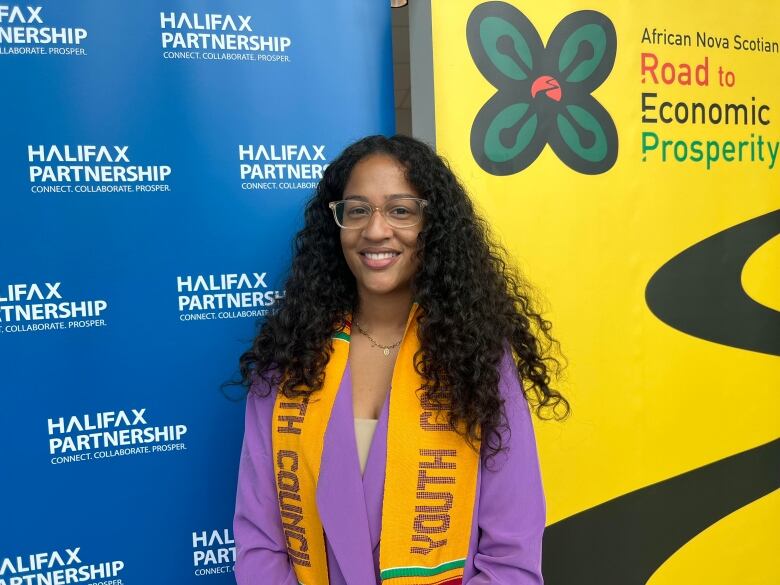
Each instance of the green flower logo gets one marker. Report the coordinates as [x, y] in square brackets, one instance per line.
[544, 94]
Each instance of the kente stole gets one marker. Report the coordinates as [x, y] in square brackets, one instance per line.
[430, 477]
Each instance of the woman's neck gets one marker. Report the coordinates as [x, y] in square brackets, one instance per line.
[385, 313]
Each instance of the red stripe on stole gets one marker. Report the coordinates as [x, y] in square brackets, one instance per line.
[452, 581]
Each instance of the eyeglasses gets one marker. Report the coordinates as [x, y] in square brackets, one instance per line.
[403, 212]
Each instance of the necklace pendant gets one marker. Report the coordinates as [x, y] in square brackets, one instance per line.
[387, 351]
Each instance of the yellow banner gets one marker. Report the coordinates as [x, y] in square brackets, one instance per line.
[629, 158]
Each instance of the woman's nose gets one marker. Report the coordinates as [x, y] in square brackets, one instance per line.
[377, 227]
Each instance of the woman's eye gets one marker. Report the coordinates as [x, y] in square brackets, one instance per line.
[357, 211]
[400, 211]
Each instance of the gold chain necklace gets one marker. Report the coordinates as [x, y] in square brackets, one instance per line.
[386, 348]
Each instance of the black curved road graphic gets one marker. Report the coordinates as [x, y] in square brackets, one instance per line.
[625, 540]
[699, 291]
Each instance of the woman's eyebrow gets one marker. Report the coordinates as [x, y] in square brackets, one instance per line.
[391, 196]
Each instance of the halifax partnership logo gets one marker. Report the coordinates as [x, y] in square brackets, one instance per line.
[544, 93]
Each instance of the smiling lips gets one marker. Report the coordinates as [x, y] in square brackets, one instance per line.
[378, 260]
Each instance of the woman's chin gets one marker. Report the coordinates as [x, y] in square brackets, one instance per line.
[378, 287]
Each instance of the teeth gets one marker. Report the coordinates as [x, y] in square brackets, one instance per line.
[380, 256]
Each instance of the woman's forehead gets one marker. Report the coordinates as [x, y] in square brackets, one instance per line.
[378, 172]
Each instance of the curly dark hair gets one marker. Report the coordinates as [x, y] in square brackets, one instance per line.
[474, 303]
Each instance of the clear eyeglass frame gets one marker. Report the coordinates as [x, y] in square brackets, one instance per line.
[370, 209]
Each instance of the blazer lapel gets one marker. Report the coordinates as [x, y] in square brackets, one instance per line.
[340, 498]
[374, 475]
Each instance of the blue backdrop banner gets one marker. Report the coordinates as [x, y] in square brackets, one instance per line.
[154, 162]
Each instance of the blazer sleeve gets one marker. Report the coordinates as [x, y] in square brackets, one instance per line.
[261, 549]
[512, 508]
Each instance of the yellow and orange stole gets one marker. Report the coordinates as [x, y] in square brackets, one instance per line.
[430, 477]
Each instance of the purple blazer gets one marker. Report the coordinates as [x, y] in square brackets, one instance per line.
[509, 511]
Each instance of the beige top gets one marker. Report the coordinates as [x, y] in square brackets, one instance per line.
[364, 432]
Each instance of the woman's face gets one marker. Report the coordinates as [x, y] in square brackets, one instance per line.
[382, 258]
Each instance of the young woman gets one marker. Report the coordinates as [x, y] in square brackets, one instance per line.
[388, 436]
